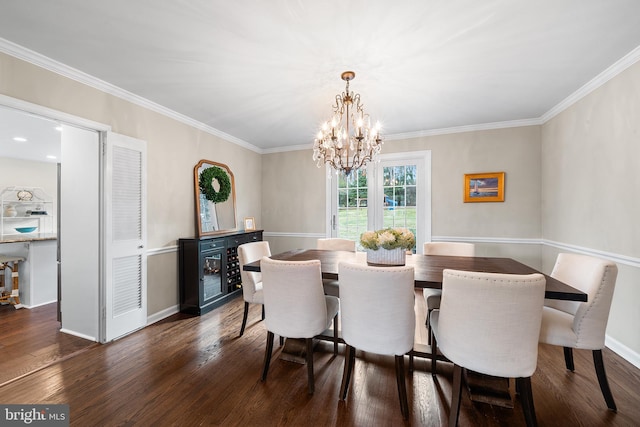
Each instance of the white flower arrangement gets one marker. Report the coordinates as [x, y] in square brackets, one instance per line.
[388, 238]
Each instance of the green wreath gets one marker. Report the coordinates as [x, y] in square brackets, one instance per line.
[206, 184]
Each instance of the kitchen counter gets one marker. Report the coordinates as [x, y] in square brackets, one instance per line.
[27, 237]
[39, 272]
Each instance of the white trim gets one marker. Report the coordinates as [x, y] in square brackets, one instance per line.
[163, 250]
[287, 148]
[623, 351]
[38, 305]
[76, 334]
[505, 240]
[163, 314]
[49, 64]
[50, 114]
[298, 235]
[602, 78]
[617, 258]
[467, 128]
[330, 193]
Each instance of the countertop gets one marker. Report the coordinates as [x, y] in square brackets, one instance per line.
[27, 237]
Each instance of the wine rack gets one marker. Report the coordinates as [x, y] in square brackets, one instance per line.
[233, 269]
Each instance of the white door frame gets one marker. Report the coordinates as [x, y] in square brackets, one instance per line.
[39, 110]
[421, 158]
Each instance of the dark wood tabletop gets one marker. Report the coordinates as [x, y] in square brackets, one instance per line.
[428, 268]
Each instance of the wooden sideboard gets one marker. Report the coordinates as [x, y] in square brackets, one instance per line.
[209, 270]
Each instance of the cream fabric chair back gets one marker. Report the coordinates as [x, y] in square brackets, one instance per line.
[377, 308]
[595, 277]
[377, 312]
[449, 248]
[293, 297]
[248, 253]
[337, 244]
[490, 322]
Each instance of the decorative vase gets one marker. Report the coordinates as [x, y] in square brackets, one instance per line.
[386, 256]
[10, 211]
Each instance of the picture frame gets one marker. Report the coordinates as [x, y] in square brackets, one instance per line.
[249, 223]
[484, 187]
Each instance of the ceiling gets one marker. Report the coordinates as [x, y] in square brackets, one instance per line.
[28, 137]
[267, 73]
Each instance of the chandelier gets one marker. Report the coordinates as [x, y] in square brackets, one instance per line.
[348, 141]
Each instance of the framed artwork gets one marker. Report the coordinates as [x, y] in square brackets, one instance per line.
[484, 187]
[249, 223]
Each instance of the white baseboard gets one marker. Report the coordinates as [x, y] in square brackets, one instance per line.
[623, 351]
[76, 334]
[158, 316]
[39, 305]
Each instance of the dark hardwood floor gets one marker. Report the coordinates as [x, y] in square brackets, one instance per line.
[188, 371]
[31, 340]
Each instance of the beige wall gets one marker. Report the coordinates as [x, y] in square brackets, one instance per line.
[515, 151]
[591, 189]
[173, 150]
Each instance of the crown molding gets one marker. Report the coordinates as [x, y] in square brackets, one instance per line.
[461, 129]
[42, 61]
[49, 64]
[287, 148]
[618, 67]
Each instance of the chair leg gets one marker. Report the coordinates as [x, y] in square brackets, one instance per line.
[526, 399]
[602, 379]
[267, 355]
[402, 387]
[309, 342]
[434, 353]
[411, 361]
[244, 317]
[335, 335]
[281, 341]
[349, 361]
[428, 325]
[456, 394]
[568, 358]
[262, 311]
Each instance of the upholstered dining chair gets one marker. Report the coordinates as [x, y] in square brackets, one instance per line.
[251, 281]
[377, 316]
[296, 307]
[335, 244]
[432, 296]
[489, 323]
[582, 325]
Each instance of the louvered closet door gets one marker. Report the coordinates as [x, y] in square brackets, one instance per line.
[125, 236]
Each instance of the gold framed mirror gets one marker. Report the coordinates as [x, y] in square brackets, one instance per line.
[215, 197]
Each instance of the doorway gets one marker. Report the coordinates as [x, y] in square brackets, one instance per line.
[392, 192]
[79, 318]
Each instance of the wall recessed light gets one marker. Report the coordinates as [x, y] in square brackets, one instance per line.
[51, 157]
[20, 139]
[58, 128]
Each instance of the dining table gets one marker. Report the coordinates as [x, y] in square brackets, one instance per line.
[428, 271]
[428, 268]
